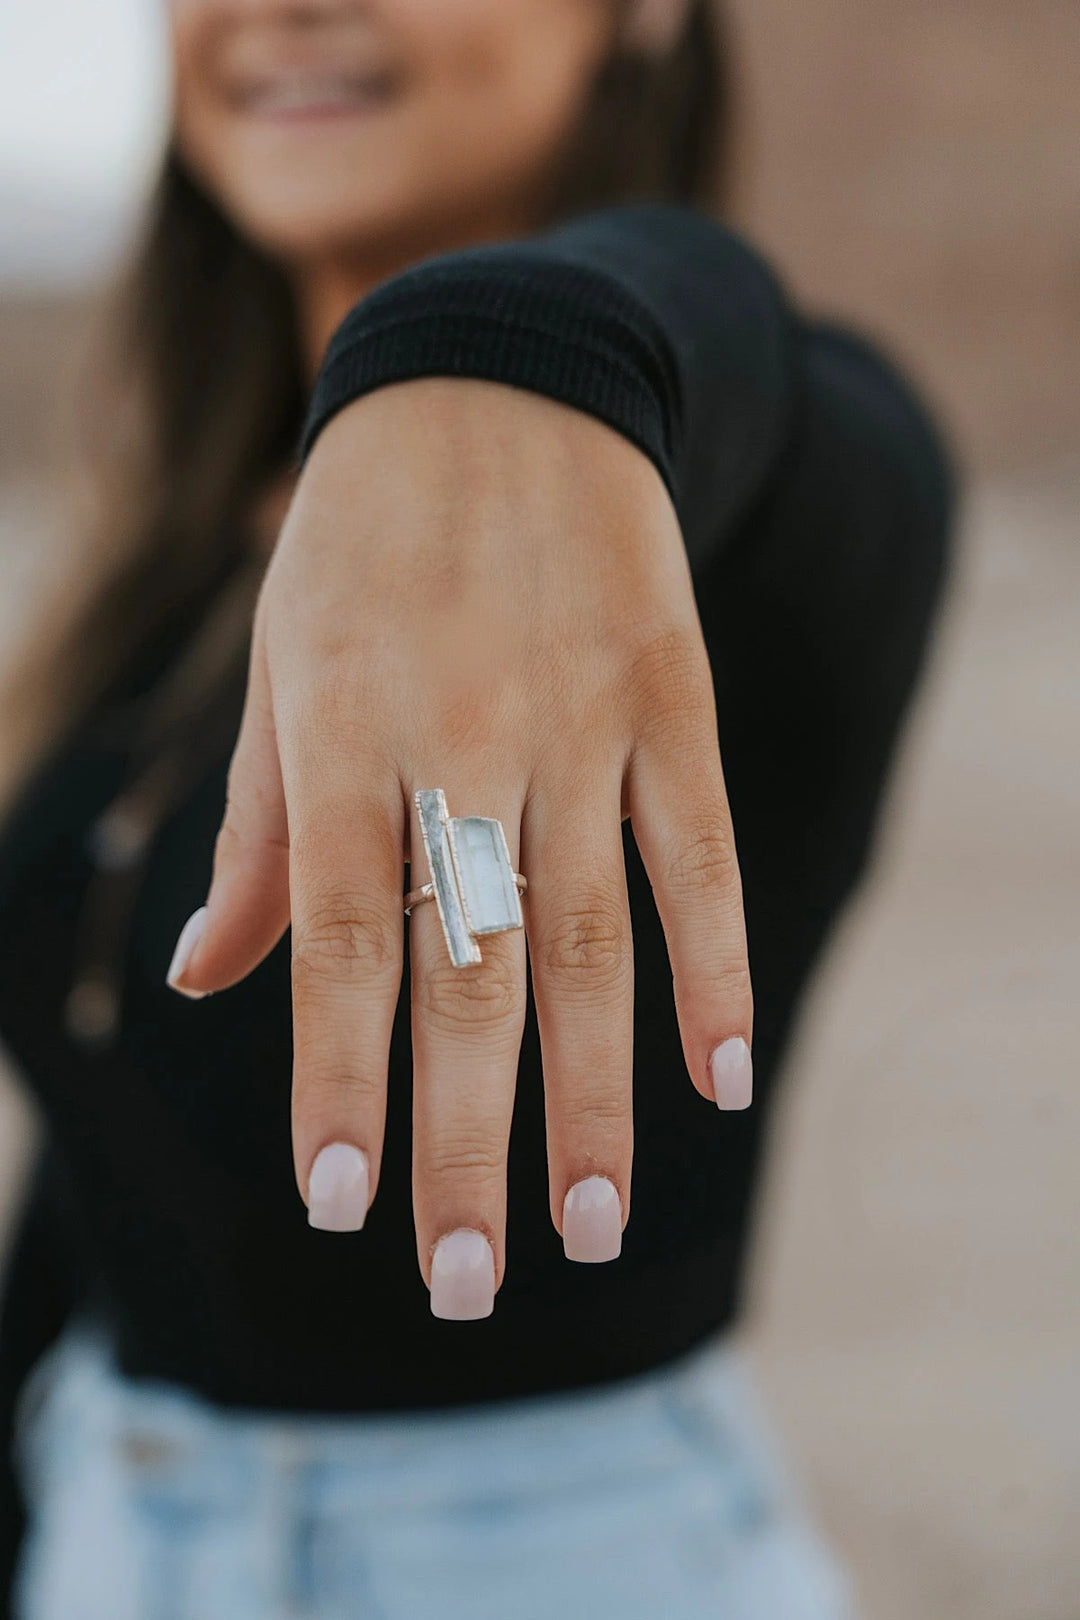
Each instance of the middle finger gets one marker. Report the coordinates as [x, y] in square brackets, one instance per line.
[467, 1025]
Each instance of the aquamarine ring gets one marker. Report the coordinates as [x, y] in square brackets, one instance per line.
[473, 882]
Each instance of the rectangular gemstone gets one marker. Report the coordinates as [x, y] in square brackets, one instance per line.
[485, 875]
[431, 808]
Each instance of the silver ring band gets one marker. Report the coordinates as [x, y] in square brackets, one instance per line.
[426, 891]
[473, 884]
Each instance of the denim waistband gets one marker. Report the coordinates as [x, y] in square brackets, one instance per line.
[566, 1440]
[662, 1494]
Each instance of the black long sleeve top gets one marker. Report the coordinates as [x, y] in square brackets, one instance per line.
[655, 319]
[812, 494]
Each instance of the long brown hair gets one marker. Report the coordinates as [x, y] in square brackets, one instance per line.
[204, 376]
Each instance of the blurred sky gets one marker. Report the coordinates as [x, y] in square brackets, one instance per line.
[82, 95]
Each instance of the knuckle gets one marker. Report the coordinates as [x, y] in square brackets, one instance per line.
[339, 676]
[235, 823]
[597, 1112]
[344, 939]
[230, 841]
[488, 996]
[734, 984]
[588, 945]
[450, 1157]
[340, 1083]
[672, 698]
[232, 821]
[726, 984]
[704, 860]
[466, 715]
[667, 669]
[236, 836]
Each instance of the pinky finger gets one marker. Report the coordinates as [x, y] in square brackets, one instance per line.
[682, 827]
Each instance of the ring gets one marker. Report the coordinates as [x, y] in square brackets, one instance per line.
[472, 883]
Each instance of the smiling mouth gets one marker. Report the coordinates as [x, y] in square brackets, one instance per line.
[315, 96]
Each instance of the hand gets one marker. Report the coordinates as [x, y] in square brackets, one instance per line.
[480, 589]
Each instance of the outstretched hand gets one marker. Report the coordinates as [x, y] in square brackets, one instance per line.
[480, 589]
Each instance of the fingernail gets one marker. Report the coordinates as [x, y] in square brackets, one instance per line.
[338, 1188]
[592, 1220]
[732, 1070]
[463, 1277]
[190, 935]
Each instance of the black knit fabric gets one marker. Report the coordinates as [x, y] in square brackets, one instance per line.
[655, 319]
[562, 330]
[814, 498]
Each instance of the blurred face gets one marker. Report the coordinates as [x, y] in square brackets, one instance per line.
[328, 128]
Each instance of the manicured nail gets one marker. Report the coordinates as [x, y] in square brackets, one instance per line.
[732, 1071]
[190, 935]
[338, 1189]
[592, 1220]
[463, 1277]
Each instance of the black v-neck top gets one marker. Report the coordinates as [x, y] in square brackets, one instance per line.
[813, 497]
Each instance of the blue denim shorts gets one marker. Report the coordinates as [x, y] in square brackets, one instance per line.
[659, 1498]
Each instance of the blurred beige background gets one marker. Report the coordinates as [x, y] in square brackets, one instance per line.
[913, 165]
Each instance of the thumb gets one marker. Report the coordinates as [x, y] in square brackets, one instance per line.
[247, 909]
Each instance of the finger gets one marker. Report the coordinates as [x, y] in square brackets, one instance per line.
[467, 1024]
[247, 909]
[582, 960]
[682, 826]
[346, 874]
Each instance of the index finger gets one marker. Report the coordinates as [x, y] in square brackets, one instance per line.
[345, 874]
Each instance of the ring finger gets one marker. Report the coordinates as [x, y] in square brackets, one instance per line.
[581, 951]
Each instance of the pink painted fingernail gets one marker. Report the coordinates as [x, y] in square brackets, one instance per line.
[190, 935]
[338, 1189]
[592, 1221]
[732, 1070]
[463, 1276]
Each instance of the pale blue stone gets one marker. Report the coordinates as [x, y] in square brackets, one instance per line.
[485, 875]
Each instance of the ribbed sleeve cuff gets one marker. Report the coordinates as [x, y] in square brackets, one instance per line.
[511, 313]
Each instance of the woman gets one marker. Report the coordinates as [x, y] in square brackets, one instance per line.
[583, 503]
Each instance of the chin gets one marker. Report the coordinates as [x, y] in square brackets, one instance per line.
[314, 222]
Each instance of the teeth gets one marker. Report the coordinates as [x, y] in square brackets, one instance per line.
[301, 94]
